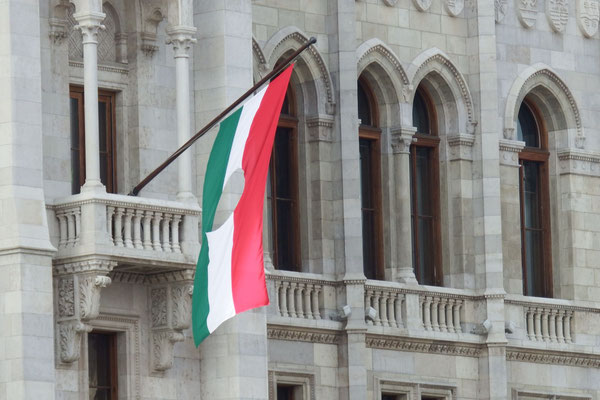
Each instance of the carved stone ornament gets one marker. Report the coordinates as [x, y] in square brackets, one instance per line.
[454, 7]
[588, 15]
[527, 12]
[500, 7]
[422, 5]
[402, 139]
[69, 333]
[162, 348]
[390, 3]
[557, 12]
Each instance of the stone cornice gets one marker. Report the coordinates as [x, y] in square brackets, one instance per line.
[279, 332]
[553, 357]
[101, 67]
[580, 162]
[385, 342]
[95, 265]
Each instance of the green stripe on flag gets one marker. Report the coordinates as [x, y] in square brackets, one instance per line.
[211, 194]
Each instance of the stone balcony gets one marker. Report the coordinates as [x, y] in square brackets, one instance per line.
[140, 235]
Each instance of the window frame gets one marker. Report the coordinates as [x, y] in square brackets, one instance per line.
[108, 97]
[541, 157]
[431, 141]
[372, 133]
[289, 122]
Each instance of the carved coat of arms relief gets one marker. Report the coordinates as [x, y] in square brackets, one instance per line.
[500, 7]
[422, 5]
[588, 15]
[455, 7]
[527, 12]
[557, 12]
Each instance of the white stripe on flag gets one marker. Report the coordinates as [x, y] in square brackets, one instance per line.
[220, 292]
[241, 134]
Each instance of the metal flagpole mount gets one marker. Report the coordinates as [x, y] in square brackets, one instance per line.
[276, 71]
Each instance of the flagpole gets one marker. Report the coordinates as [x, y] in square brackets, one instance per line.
[201, 132]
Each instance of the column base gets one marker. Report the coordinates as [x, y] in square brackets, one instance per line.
[93, 187]
[186, 197]
[407, 276]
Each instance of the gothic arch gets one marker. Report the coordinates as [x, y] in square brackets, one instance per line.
[375, 51]
[448, 87]
[260, 66]
[310, 68]
[555, 100]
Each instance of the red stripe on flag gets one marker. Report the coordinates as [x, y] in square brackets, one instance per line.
[247, 271]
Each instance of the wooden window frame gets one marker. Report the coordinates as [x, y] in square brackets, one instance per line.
[430, 141]
[287, 121]
[373, 134]
[114, 373]
[110, 98]
[539, 156]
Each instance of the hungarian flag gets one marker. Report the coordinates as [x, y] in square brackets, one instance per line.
[230, 276]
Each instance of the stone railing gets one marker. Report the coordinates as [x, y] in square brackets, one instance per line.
[548, 324]
[129, 229]
[441, 313]
[387, 303]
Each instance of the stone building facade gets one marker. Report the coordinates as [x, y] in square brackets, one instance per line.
[443, 238]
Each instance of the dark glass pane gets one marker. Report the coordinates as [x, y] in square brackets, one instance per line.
[100, 394]
[534, 263]
[388, 397]
[368, 208]
[285, 392]
[102, 133]
[75, 151]
[283, 160]
[99, 359]
[364, 106]
[368, 229]
[366, 173]
[527, 129]
[285, 107]
[426, 267]
[285, 236]
[534, 258]
[420, 114]
[423, 180]
[103, 168]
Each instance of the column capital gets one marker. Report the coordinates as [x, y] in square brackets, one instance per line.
[181, 37]
[89, 23]
[402, 138]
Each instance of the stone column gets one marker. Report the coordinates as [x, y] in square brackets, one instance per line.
[402, 263]
[182, 37]
[89, 24]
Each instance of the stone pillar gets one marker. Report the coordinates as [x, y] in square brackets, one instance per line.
[223, 72]
[403, 269]
[182, 38]
[26, 317]
[89, 24]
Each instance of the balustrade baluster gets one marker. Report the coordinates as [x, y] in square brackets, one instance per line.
[434, 314]
[398, 309]
[391, 309]
[62, 226]
[299, 308]
[284, 291]
[537, 320]
[442, 314]
[456, 315]
[376, 297]
[449, 322]
[77, 213]
[383, 308]
[147, 243]
[118, 223]
[110, 213]
[307, 303]
[277, 297]
[545, 315]
[559, 326]
[530, 331]
[127, 231]
[70, 229]
[567, 327]
[156, 231]
[175, 233]
[292, 300]
[427, 313]
[552, 326]
[315, 301]
[137, 229]
[368, 302]
[166, 227]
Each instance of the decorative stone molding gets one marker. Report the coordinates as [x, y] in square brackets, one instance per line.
[454, 7]
[148, 46]
[401, 139]
[588, 16]
[306, 381]
[170, 310]
[422, 346]
[461, 146]
[182, 38]
[527, 12]
[320, 128]
[557, 12]
[422, 5]
[509, 152]
[573, 161]
[89, 24]
[376, 50]
[107, 68]
[390, 3]
[78, 302]
[151, 17]
[546, 356]
[260, 62]
[500, 7]
[302, 335]
[58, 30]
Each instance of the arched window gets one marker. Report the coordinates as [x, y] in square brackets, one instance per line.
[425, 193]
[369, 138]
[535, 204]
[282, 190]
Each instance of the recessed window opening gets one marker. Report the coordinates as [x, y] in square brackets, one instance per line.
[102, 366]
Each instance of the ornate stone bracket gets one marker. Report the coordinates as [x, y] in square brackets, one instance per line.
[320, 128]
[58, 30]
[509, 152]
[78, 302]
[171, 310]
[461, 146]
[152, 17]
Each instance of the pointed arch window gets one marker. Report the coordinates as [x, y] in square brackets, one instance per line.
[369, 138]
[534, 203]
[282, 189]
[425, 193]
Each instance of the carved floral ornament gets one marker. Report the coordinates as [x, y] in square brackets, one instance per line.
[588, 16]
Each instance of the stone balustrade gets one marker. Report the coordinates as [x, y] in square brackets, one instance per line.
[548, 324]
[441, 313]
[387, 302]
[135, 230]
